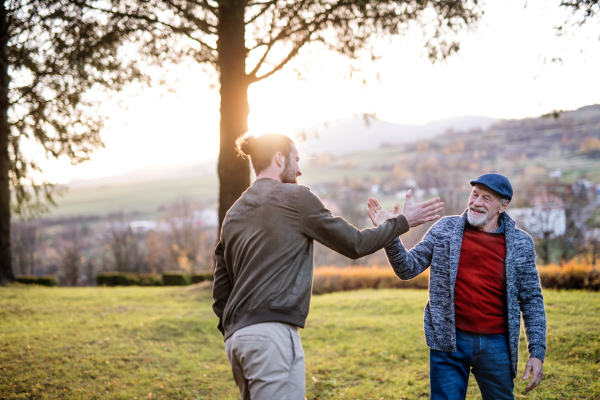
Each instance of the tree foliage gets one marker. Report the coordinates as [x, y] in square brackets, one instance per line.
[275, 31]
[581, 12]
[58, 54]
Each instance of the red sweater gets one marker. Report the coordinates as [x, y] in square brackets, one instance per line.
[480, 291]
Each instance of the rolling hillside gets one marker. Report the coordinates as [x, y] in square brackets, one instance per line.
[394, 157]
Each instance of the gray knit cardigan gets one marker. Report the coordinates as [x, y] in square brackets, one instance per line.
[440, 249]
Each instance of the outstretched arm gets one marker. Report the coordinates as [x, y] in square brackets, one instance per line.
[415, 214]
[317, 222]
[408, 264]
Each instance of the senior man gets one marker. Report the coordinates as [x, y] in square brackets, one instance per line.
[483, 278]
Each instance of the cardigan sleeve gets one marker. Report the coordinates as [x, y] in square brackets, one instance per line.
[531, 303]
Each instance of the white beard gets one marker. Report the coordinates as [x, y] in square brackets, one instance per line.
[476, 220]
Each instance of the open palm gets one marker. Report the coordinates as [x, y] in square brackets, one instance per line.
[415, 214]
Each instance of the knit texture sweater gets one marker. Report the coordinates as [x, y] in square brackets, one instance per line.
[440, 250]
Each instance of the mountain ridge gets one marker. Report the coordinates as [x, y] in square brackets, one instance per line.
[337, 137]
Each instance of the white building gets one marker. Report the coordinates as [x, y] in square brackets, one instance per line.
[547, 215]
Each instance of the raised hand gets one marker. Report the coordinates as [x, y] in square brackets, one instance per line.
[425, 211]
[415, 214]
[379, 214]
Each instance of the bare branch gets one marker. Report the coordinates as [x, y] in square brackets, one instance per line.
[283, 34]
[266, 6]
[203, 25]
[287, 59]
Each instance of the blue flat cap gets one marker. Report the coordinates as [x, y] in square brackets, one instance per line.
[498, 183]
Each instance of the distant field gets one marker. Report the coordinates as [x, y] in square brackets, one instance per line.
[143, 197]
[161, 343]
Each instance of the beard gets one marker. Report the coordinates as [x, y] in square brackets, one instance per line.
[288, 175]
[477, 220]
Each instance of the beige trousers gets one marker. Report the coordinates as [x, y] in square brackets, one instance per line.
[267, 361]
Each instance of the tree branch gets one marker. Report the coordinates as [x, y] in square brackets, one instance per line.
[266, 5]
[204, 5]
[284, 33]
[203, 25]
[287, 59]
[154, 20]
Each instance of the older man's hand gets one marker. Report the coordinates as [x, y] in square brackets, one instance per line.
[535, 367]
[415, 214]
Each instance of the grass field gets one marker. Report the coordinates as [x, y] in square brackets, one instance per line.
[142, 197]
[161, 343]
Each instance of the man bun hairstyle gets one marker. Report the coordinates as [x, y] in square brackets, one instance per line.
[263, 148]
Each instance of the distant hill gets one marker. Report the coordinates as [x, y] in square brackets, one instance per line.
[394, 157]
[347, 135]
[358, 133]
[150, 174]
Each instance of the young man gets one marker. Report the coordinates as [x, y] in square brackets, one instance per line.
[263, 276]
[483, 278]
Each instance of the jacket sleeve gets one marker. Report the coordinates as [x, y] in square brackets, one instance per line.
[222, 286]
[531, 302]
[409, 263]
[319, 224]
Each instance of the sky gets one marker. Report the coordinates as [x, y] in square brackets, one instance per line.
[499, 72]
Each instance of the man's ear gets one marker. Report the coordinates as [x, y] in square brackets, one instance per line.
[504, 207]
[279, 159]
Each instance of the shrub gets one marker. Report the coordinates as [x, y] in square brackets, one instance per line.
[150, 280]
[46, 280]
[176, 279]
[128, 279]
[336, 279]
[201, 277]
[575, 274]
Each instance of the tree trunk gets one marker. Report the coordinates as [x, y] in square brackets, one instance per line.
[6, 273]
[234, 172]
[546, 248]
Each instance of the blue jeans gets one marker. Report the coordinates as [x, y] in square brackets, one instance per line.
[487, 356]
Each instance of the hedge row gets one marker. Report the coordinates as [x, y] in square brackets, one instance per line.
[573, 275]
[46, 280]
[336, 279]
[128, 279]
[139, 279]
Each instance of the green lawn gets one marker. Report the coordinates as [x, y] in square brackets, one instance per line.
[151, 343]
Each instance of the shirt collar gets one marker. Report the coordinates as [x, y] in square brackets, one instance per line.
[501, 227]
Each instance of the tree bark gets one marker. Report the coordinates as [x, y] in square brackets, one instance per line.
[234, 172]
[6, 272]
[546, 248]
